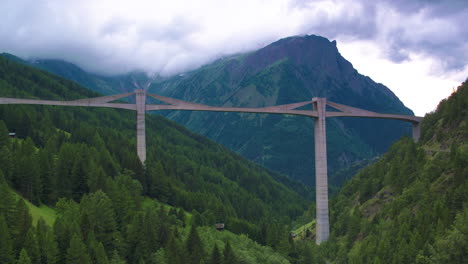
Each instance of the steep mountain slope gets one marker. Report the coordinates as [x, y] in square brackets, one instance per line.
[102, 84]
[99, 83]
[411, 206]
[289, 70]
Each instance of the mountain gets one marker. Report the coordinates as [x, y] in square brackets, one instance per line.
[82, 163]
[290, 70]
[411, 206]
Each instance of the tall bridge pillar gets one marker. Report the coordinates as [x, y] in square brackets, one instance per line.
[321, 179]
[140, 99]
[416, 131]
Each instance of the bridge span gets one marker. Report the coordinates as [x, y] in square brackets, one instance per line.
[318, 112]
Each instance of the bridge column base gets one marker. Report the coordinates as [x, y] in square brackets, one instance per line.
[416, 131]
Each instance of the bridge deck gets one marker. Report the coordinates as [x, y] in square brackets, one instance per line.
[319, 113]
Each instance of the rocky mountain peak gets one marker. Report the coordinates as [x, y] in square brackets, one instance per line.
[308, 51]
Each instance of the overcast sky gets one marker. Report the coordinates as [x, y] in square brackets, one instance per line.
[418, 48]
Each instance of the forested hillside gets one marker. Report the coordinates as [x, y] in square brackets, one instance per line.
[110, 208]
[411, 206]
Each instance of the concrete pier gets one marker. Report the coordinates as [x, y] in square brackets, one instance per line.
[140, 100]
[322, 227]
[416, 131]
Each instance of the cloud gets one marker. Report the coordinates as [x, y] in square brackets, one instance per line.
[430, 28]
[408, 80]
[168, 37]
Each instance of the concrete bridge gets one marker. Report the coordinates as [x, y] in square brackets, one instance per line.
[318, 112]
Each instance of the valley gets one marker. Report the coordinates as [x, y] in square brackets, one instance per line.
[74, 190]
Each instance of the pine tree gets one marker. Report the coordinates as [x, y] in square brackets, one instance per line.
[6, 163]
[98, 209]
[194, 246]
[50, 249]
[229, 257]
[79, 173]
[158, 185]
[175, 254]
[47, 177]
[77, 253]
[97, 178]
[273, 234]
[41, 234]
[135, 243]
[181, 216]
[196, 218]
[64, 228]
[4, 137]
[100, 254]
[116, 258]
[22, 223]
[31, 246]
[105, 158]
[7, 204]
[163, 228]
[26, 176]
[451, 247]
[23, 257]
[292, 247]
[6, 244]
[125, 193]
[216, 257]
[159, 257]
[64, 165]
[46, 241]
[307, 255]
[151, 225]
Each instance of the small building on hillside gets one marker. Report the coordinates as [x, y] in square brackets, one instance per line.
[219, 226]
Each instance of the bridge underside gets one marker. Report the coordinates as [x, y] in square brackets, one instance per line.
[319, 113]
